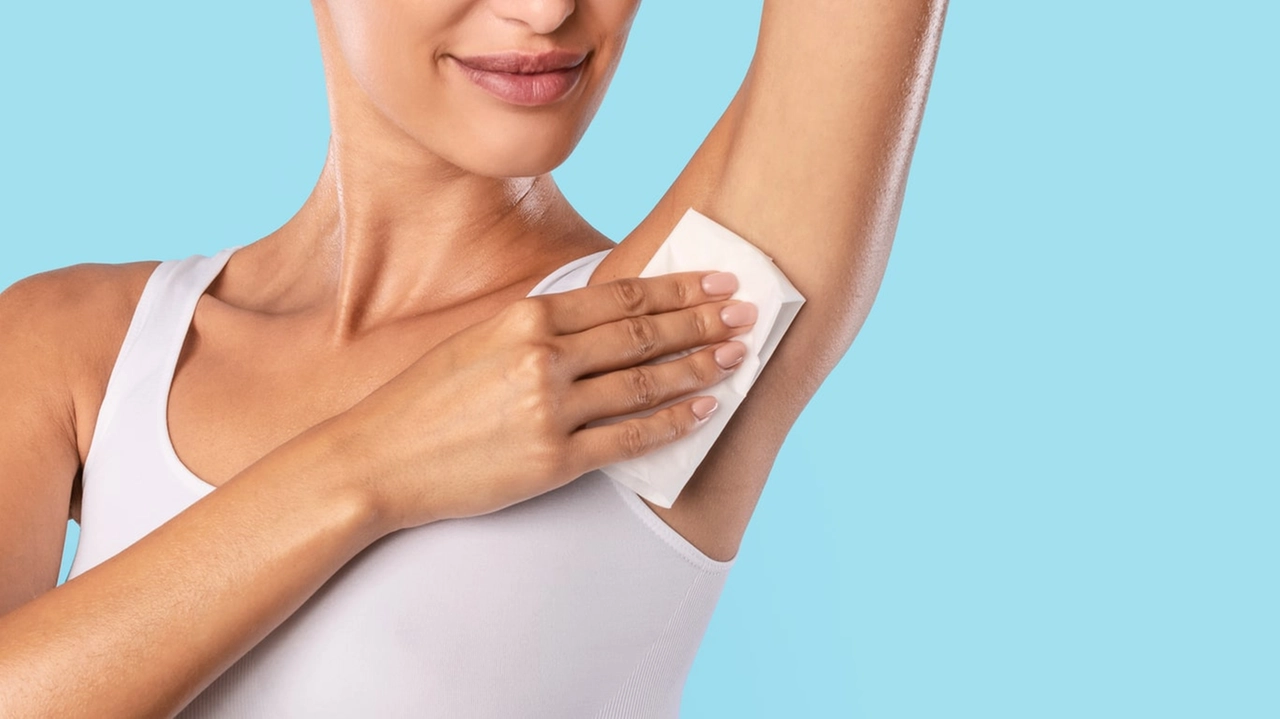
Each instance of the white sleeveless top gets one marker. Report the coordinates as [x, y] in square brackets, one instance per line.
[580, 602]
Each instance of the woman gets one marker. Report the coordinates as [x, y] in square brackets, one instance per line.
[342, 470]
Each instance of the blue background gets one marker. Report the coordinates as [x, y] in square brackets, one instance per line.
[1042, 483]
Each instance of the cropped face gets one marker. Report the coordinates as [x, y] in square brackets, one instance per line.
[502, 88]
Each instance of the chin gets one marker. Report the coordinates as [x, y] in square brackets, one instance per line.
[516, 152]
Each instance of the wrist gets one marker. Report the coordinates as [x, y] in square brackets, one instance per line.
[337, 466]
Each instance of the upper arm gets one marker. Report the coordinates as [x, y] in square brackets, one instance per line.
[60, 332]
[38, 454]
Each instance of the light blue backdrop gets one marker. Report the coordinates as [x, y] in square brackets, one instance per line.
[1043, 482]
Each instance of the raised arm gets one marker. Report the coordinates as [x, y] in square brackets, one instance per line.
[809, 163]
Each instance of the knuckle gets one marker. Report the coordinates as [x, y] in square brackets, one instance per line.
[541, 413]
[642, 386]
[667, 429]
[549, 461]
[536, 415]
[542, 434]
[629, 293]
[686, 294]
[632, 440]
[644, 336]
[681, 422]
[702, 324]
[530, 314]
[538, 361]
[703, 369]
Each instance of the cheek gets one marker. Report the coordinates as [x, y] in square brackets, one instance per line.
[385, 46]
[389, 47]
[616, 16]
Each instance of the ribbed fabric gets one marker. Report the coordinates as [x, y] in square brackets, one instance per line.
[578, 603]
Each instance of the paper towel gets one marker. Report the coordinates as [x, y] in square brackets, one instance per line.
[699, 243]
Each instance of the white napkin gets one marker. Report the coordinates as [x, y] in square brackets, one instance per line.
[699, 243]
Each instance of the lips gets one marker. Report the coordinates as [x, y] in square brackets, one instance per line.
[523, 79]
[524, 63]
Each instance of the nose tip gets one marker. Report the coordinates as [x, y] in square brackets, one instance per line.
[542, 16]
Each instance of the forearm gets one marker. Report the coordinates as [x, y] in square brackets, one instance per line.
[145, 631]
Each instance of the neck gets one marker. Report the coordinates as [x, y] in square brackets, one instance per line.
[376, 242]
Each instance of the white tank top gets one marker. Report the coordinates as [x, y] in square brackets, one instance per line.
[580, 602]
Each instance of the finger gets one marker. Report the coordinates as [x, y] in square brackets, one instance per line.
[596, 447]
[632, 340]
[579, 309]
[647, 386]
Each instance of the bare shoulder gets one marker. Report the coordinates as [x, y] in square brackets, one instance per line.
[54, 297]
[58, 330]
[65, 327]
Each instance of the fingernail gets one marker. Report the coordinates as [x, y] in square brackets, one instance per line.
[704, 406]
[720, 283]
[731, 354]
[739, 314]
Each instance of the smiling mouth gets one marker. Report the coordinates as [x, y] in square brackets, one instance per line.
[524, 88]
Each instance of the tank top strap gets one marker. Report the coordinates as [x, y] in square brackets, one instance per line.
[176, 288]
[161, 321]
[571, 276]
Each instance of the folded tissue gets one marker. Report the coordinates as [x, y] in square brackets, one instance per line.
[699, 243]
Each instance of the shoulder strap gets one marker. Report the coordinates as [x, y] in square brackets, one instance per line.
[144, 365]
[571, 276]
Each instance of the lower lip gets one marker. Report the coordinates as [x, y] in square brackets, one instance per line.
[541, 88]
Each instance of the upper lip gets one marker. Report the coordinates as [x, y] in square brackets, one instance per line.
[524, 63]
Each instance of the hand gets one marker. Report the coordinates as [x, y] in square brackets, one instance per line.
[494, 414]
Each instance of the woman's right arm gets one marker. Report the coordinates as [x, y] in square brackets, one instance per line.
[142, 633]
